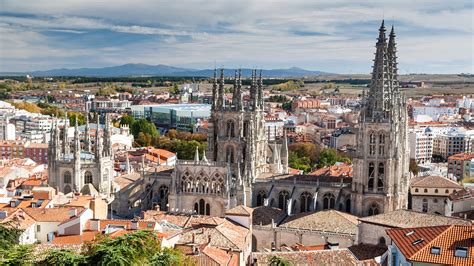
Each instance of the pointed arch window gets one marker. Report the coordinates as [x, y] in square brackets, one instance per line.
[229, 157]
[372, 138]
[382, 143]
[381, 176]
[329, 201]
[371, 176]
[305, 201]
[373, 209]
[230, 129]
[283, 197]
[87, 177]
[262, 194]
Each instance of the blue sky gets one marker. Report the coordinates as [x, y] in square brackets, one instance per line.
[338, 36]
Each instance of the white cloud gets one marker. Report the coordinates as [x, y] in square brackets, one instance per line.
[267, 32]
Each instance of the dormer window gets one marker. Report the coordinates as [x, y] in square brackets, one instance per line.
[435, 250]
[460, 252]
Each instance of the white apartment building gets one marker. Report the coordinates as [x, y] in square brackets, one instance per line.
[435, 112]
[445, 145]
[421, 144]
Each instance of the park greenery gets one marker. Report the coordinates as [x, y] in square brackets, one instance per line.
[182, 143]
[305, 156]
[48, 109]
[136, 248]
[290, 85]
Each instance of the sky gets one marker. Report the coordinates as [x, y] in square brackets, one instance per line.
[335, 36]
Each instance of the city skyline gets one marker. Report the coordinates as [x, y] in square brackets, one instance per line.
[330, 36]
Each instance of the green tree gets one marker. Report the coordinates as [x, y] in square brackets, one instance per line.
[297, 162]
[16, 255]
[279, 261]
[166, 257]
[329, 157]
[143, 125]
[127, 120]
[63, 257]
[135, 248]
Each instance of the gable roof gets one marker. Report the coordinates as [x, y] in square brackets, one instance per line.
[416, 243]
[407, 218]
[434, 182]
[51, 214]
[327, 220]
[240, 210]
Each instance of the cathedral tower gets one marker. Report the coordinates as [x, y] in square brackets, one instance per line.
[381, 175]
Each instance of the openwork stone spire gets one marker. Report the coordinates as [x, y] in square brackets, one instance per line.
[380, 99]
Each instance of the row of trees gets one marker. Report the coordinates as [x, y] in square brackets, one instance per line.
[182, 143]
[305, 156]
[48, 109]
[137, 248]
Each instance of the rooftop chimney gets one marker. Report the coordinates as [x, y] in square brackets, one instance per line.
[94, 224]
[72, 212]
[134, 225]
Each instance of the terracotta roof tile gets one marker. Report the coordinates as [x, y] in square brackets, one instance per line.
[416, 243]
[240, 210]
[406, 218]
[50, 214]
[318, 257]
[434, 182]
[263, 215]
[328, 220]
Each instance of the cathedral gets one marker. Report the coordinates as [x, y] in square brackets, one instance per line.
[242, 166]
[238, 153]
[86, 166]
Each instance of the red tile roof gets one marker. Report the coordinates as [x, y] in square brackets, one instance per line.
[416, 243]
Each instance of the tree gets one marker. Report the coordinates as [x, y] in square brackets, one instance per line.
[297, 162]
[167, 257]
[127, 120]
[413, 167]
[135, 248]
[304, 149]
[143, 125]
[329, 157]
[279, 261]
[63, 257]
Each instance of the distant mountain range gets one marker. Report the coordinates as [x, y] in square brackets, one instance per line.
[134, 70]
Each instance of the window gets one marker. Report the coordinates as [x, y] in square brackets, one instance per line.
[372, 144]
[38, 228]
[283, 197]
[447, 191]
[460, 252]
[305, 201]
[229, 157]
[230, 129]
[329, 201]
[426, 190]
[382, 241]
[67, 177]
[435, 250]
[418, 241]
[261, 197]
[425, 205]
[374, 209]
[435, 200]
[416, 190]
[88, 178]
[371, 176]
[436, 190]
[202, 208]
[381, 174]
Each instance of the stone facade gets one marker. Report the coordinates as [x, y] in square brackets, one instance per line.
[77, 169]
[243, 167]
